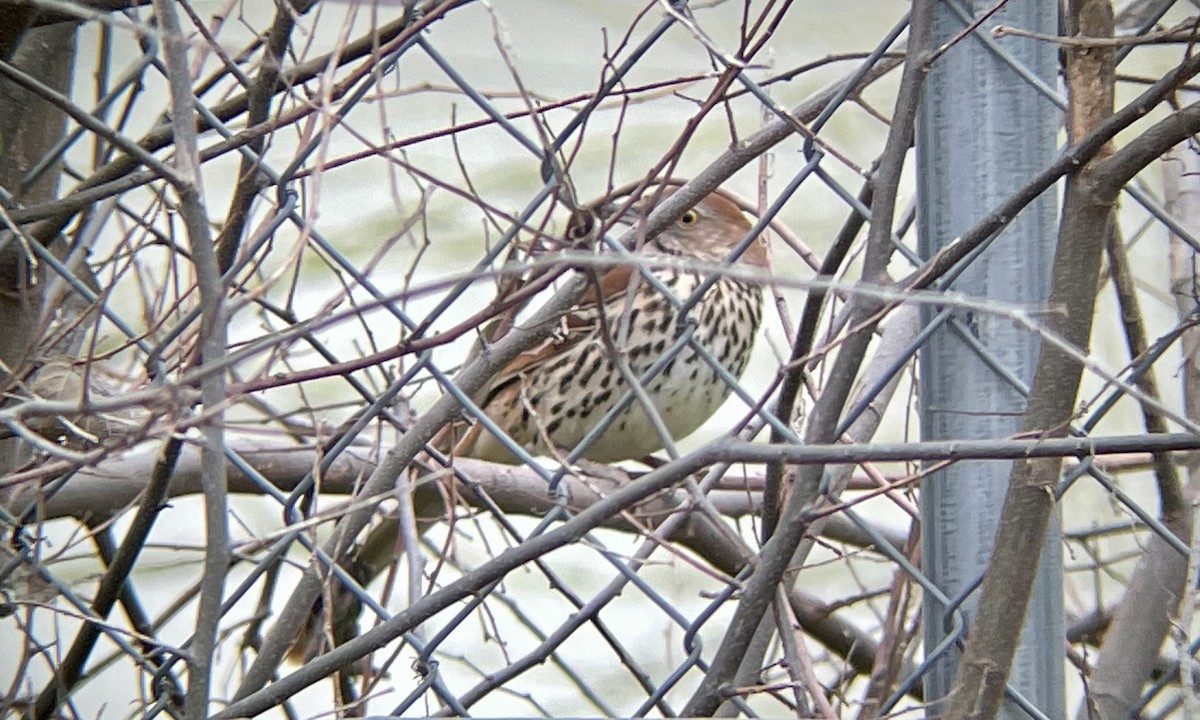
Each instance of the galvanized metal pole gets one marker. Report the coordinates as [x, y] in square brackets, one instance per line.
[983, 131]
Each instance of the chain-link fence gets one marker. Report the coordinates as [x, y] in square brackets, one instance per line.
[340, 335]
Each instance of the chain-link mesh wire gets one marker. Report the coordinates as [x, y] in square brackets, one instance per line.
[393, 203]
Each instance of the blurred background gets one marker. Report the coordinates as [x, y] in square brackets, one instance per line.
[375, 172]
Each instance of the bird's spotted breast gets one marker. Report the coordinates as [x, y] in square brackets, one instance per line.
[684, 393]
[625, 326]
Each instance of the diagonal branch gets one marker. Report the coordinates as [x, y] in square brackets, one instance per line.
[822, 426]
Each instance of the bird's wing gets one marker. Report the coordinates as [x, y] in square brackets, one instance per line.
[578, 325]
[580, 322]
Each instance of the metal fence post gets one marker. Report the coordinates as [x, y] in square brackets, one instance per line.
[983, 131]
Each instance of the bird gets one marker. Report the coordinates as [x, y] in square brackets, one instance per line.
[549, 397]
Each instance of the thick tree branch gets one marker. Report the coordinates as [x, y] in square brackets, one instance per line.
[1130, 648]
[1087, 209]
[213, 332]
[822, 425]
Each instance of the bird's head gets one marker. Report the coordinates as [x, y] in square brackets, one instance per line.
[707, 231]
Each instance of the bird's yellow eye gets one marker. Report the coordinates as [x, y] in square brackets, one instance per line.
[689, 217]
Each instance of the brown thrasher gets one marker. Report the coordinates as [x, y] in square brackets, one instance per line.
[549, 397]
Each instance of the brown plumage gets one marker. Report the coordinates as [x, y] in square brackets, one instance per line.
[549, 397]
[553, 394]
